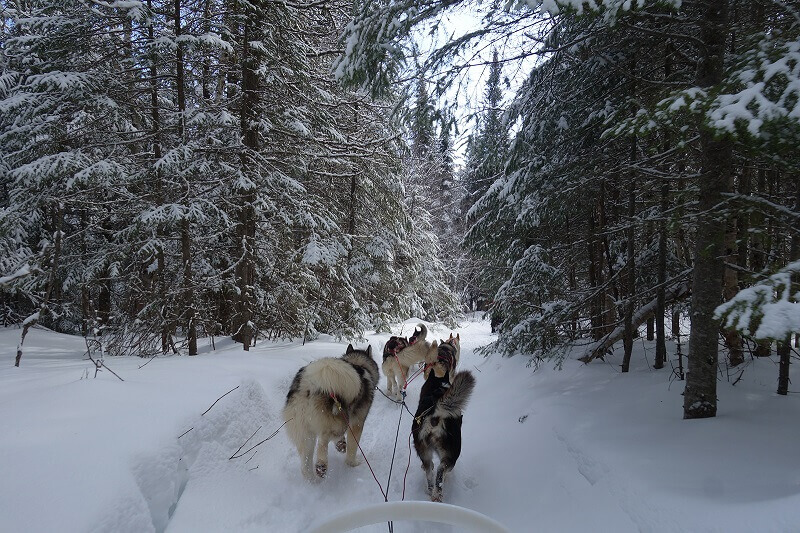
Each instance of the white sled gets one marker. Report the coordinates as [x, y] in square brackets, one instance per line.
[442, 513]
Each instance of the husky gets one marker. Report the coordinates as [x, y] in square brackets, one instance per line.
[437, 423]
[400, 354]
[444, 360]
[325, 397]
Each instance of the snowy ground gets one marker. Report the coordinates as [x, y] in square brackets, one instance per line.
[582, 449]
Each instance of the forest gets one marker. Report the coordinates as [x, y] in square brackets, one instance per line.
[175, 170]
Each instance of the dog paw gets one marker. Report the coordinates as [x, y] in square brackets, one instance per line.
[311, 478]
[341, 446]
[353, 462]
[436, 496]
[321, 469]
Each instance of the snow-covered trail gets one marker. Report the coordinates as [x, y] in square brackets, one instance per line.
[520, 473]
[582, 449]
[275, 497]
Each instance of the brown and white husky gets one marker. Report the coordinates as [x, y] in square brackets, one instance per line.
[400, 354]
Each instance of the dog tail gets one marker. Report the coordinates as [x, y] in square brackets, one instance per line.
[455, 399]
[335, 376]
[423, 332]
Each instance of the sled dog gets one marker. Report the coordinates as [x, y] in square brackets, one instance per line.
[400, 354]
[446, 360]
[325, 396]
[437, 423]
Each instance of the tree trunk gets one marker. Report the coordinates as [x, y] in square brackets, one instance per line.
[595, 269]
[661, 267]
[245, 269]
[53, 266]
[661, 304]
[351, 223]
[631, 269]
[733, 341]
[757, 262]
[700, 395]
[206, 72]
[188, 290]
[676, 323]
[155, 116]
[186, 239]
[784, 347]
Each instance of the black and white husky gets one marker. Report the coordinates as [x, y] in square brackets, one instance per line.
[325, 397]
[437, 423]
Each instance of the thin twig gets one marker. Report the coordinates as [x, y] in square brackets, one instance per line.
[185, 432]
[218, 399]
[148, 361]
[245, 442]
[103, 365]
[234, 456]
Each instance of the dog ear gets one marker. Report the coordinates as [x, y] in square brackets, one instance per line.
[349, 349]
[433, 351]
[369, 351]
[458, 337]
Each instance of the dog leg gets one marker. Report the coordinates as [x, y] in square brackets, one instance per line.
[353, 438]
[390, 385]
[441, 472]
[426, 456]
[305, 448]
[401, 377]
[322, 455]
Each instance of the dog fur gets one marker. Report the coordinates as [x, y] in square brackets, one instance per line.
[400, 354]
[435, 358]
[437, 423]
[324, 397]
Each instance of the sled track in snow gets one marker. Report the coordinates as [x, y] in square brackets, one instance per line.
[162, 477]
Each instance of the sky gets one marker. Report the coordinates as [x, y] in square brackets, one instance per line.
[470, 71]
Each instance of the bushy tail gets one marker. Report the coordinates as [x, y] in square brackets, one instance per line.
[333, 376]
[423, 333]
[457, 396]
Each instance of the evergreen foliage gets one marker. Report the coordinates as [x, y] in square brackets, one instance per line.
[174, 169]
[650, 154]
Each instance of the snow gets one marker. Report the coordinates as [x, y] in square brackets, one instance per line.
[582, 449]
[21, 272]
[768, 309]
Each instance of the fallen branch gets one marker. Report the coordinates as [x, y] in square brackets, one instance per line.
[599, 348]
[99, 364]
